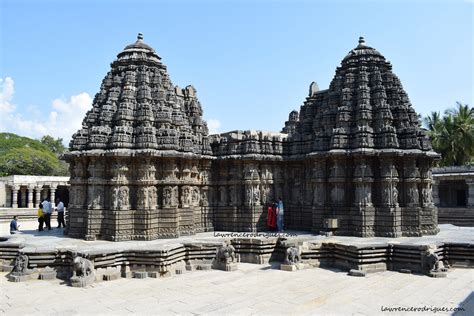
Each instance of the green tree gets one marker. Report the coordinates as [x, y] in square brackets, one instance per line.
[452, 134]
[55, 145]
[26, 156]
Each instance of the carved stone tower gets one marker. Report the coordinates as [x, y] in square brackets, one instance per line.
[139, 165]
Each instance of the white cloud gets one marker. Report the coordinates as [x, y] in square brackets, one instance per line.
[6, 94]
[214, 126]
[64, 117]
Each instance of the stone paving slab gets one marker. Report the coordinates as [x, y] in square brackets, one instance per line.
[253, 289]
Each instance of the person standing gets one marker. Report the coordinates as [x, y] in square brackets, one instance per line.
[280, 215]
[47, 210]
[60, 210]
[40, 217]
[14, 226]
[271, 217]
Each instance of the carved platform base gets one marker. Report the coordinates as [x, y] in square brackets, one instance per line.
[111, 274]
[438, 274]
[47, 273]
[140, 275]
[292, 267]
[6, 267]
[15, 277]
[358, 273]
[225, 266]
[192, 265]
[82, 281]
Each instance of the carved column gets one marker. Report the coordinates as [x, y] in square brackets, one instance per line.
[411, 214]
[470, 194]
[319, 184]
[429, 213]
[38, 195]
[15, 189]
[337, 186]
[252, 197]
[30, 196]
[52, 190]
[435, 185]
[388, 220]
[363, 218]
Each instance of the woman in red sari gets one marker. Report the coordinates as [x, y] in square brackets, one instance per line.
[271, 217]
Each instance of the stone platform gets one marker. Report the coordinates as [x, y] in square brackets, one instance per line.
[166, 257]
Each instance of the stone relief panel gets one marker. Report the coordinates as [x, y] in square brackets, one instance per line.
[170, 196]
[185, 196]
[95, 195]
[120, 198]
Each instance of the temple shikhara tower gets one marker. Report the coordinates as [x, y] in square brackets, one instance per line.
[144, 167]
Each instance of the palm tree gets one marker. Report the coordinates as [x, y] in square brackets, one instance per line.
[453, 134]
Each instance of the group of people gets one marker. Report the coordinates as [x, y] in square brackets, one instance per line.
[45, 211]
[275, 219]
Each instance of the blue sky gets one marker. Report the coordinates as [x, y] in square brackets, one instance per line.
[250, 61]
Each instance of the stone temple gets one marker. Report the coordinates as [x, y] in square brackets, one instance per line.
[144, 167]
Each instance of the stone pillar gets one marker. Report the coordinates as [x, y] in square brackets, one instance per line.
[52, 189]
[30, 197]
[15, 190]
[44, 193]
[436, 192]
[470, 192]
[37, 196]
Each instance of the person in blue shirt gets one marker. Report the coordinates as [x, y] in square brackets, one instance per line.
[14, 226]
[280, 214]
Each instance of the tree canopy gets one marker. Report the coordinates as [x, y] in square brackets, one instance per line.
[25, 156]
[452, 134]
[55, 145]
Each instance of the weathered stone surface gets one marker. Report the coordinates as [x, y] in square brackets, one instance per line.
[288, 267]
[47, 273]
[359, 273]
[144, 167]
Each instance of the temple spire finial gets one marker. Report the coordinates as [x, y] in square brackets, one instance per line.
[361, 40]
[140, 37]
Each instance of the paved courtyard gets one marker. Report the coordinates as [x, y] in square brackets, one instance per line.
[254, 289]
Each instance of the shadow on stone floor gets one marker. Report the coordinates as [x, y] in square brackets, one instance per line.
[54, 232]
[467, 306]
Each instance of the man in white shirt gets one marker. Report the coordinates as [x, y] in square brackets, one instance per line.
[47, 210]
[60, 210]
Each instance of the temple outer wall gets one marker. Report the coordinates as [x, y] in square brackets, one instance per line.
[125, 198]
[453, 194]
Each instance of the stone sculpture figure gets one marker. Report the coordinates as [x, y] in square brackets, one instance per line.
[225, 258]
[431, 264]
[427, 196]
[82, 267]
[152, 197]
[142, 198]
[226, 253]
[167, 196]
[185, 196]
[21, 264]
[20, 270]
[292, 256]
[413, 196]
[83, 272]
[123, 202]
